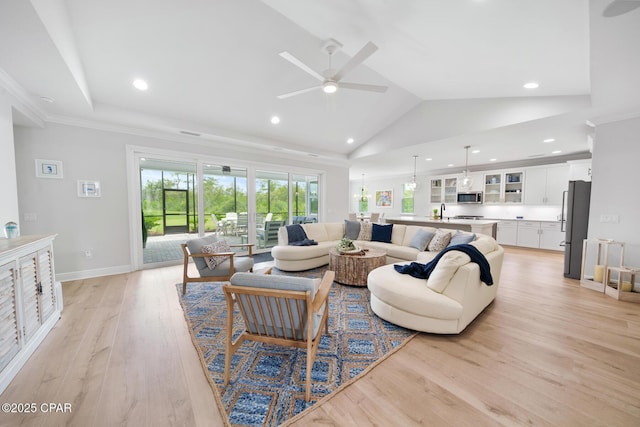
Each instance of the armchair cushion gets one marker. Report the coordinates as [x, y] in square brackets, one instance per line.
[214, 248]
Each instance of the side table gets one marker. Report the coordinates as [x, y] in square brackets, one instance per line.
[621, 289]
[354, 269]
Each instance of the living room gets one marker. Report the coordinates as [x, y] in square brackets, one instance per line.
[105, 151]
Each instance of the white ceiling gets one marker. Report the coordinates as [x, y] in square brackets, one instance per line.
[454, 68]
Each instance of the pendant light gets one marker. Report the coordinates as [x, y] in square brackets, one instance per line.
[467, 181]
[363, 196]
[412, 185]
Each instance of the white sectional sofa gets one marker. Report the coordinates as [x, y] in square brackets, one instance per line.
[299, 258]
[445, 303]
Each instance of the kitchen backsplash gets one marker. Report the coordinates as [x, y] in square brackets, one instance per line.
[539, 213]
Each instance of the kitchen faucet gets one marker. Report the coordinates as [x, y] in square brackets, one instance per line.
[442, 208]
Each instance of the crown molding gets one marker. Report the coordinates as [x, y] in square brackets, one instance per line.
[22, 100]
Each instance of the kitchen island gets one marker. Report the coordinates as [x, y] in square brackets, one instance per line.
[483, 226]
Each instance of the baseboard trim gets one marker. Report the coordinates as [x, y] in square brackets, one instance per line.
[89, 274]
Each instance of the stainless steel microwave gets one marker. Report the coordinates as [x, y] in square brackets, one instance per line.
[471, 197]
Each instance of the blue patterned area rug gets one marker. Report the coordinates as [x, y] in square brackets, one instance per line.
[267, 381]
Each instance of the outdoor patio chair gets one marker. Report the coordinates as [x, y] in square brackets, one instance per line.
[226, 263]
[269, 236]
[280, 310]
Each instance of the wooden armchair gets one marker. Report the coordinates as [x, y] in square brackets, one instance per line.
[223, 271]
[281, 310]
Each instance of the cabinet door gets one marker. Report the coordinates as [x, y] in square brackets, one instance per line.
[9, 332]
[507, 233]
[450, 190]
[529, 234]
[557, 182]
[513, 187]
[493, 188]
[436, 191]
[46, 284]
[29, 294]
[536, 186]
[551, 236]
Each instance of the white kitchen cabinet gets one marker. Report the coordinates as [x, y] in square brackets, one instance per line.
[504, 187]
[436, 190]
[451, 190]
[544, 185]
[540, 235]
[31, 301]
[551, 236]
[529, 234]
[580, 170]
[507, 233]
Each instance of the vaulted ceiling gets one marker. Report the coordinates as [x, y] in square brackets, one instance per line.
[455, 72]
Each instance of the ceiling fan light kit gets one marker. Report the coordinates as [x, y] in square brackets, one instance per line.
[331, 81]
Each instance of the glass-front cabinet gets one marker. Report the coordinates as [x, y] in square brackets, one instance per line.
[436, 190]
[450, 190]
[504, 187]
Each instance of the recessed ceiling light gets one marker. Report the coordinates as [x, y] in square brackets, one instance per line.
[475, 151]
[556, 152]
[450, 165]
[140, 84]
[350, 141]
[492, 160]
[275, 120]
[531, 85]
[548, 140]
[428, 159]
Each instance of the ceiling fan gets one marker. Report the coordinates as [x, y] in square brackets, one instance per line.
[332, 80]
[620, 7]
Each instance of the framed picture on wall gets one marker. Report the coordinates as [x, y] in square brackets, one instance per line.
[384, 198]
[48, 168]
[89, 188]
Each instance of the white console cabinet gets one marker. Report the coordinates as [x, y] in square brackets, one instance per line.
[30, 300]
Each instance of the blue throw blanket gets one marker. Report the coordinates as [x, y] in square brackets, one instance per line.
[423, 271]
[297, 236]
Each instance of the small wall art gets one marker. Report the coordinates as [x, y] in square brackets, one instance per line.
[48, 168]
[89, 188]
[384, 198]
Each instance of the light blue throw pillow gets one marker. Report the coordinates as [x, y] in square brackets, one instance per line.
[421, 239]
[460, 238]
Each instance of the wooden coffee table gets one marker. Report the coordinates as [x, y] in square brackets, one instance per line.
[354, 269]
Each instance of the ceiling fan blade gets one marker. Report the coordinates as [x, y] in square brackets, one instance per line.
[356, 60]
[295, 61]
[358, 86]
[298, 92]
[620, 7]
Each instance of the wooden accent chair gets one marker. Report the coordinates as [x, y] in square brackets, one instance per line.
[281, 310]
[223, 271]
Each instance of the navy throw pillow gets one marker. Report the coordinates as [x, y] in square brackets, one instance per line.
[381, 232]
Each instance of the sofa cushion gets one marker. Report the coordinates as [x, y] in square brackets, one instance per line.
[444, 270]
[215, 247]
[365, 231]
[421, 239]
[335, 230]
[461, 238]
[316, 231]
[439, 241]
[351, 229]
[381, 233]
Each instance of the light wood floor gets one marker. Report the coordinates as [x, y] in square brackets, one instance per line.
[546, 352]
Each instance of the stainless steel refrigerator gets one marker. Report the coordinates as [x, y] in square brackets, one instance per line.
[575, 222]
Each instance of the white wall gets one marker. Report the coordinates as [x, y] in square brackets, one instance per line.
[102, 224]
[8, 189]
[614, 189]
